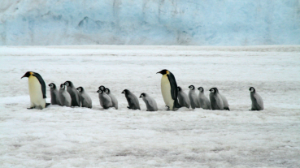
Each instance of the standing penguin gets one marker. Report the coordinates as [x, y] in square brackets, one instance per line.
[54, 94]
[149, 101]
[37, 90]
[105, 100]
[257, 102]
[133, 102]
[84, 98]
[73, 93]
[204, 102]
[102, 88]
[193, 97]
[64, 96]
[169, 89]
[217, 101]
[183, 98]
[113, 98]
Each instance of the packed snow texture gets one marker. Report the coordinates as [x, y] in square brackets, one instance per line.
[155, 22]
[80, 137]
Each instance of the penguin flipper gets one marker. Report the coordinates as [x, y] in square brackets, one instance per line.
[227, 108]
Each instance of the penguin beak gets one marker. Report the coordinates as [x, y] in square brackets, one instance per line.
[158, 72]
[23, 76]
[123, 92]
[140, 96]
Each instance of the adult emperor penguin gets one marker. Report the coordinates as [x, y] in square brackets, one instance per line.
[183, 98]
[84, 98]
[217, 101]
[149, 101]
[64, 96]
[37, 90]
[257, 102]
[113, 98]
[133, 102]
[193, 97]
[73, 93]
[105, 100]
[54, 94]
[169, 89]
[204, 102]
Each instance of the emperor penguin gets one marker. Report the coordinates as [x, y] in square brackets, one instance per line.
[113, 98]
[217, 101]
[257, 102]
[64, 96]
[193, 97]
[105, 100]
[102, 88]
[169, 89]
[37, 90]
[133, 102]
[204, 102]
[149, 101]
[183, 98]
[73, 93]
[54, 94]
[84, 98]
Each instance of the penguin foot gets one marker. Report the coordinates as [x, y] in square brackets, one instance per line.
[47, 104]
[30, 108]
[227, 108]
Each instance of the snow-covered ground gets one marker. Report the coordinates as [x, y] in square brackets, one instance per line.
[80, 137]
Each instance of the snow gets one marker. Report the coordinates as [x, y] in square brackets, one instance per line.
[150, 22]
[80, 137]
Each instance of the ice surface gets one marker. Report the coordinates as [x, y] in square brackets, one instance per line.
[201, 22]
[80, 137]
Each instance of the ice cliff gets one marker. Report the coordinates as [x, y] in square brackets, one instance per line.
[150, 22]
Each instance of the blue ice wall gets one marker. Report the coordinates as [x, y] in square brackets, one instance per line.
[150, 22]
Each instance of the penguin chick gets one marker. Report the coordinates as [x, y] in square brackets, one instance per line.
[149, 101]
[37, 90]
[133, 102]
[183, 98]
[102, 88]
[105, 100]
[193, 97]
[54, 94]
[84, 98]
[169, 89]
[73, 93]
[215, 99]
[257, 101]
[64, 96]
[204, 102]
[113, 98]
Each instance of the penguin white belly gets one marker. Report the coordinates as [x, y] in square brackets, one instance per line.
[166, 91]
[35, 92]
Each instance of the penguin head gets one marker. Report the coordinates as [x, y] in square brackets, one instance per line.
[28, 74]
[200, 89]
[164, 72]
[143, 95]
[68, 84]
[179, 88]
[107, 91]
[214, 90]
[62, 86]
[99, 91]
[192, 87]
[102, 88]
[52, 86]
[80, 89]
[252, 89]
[125, 91]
